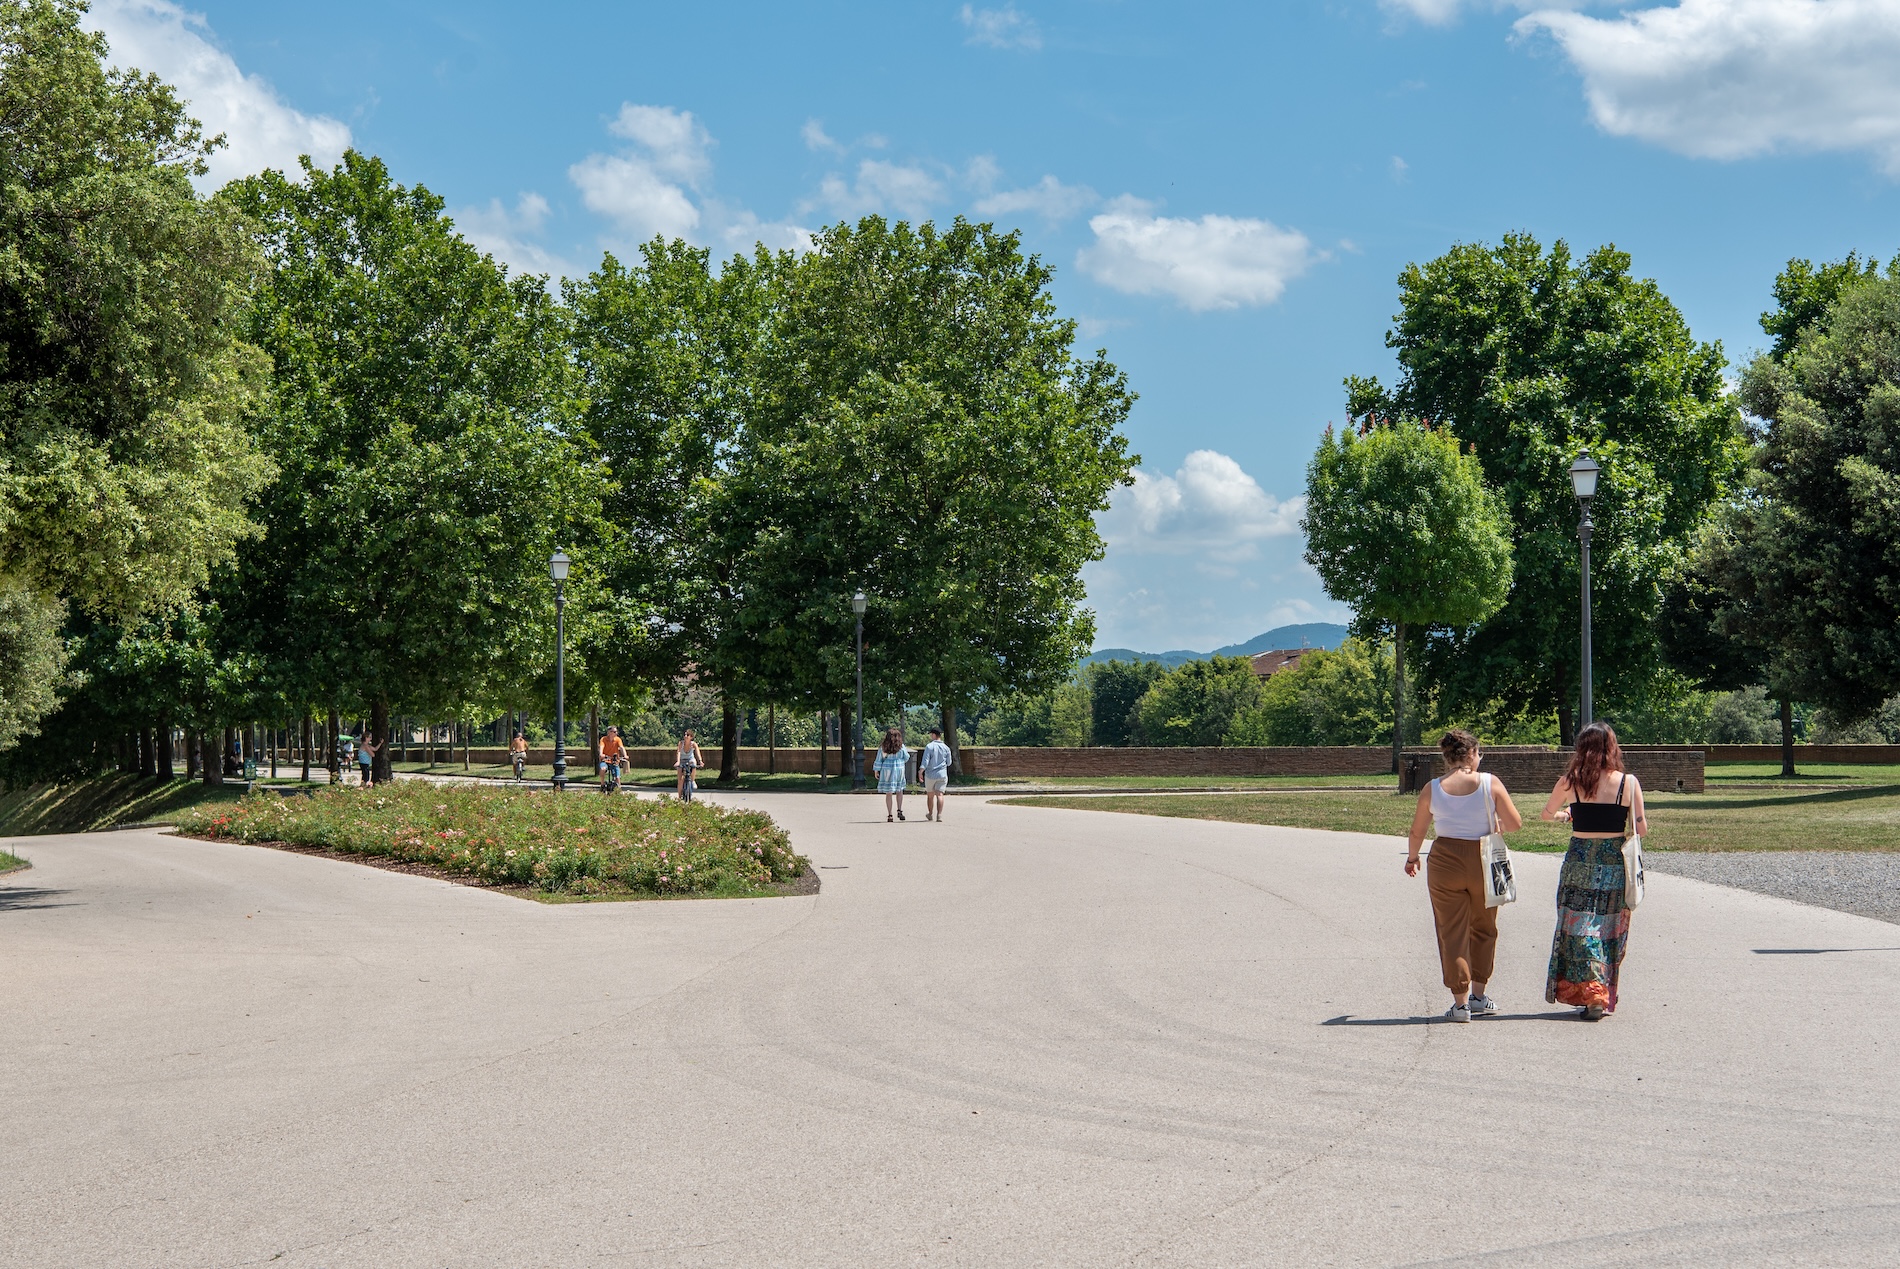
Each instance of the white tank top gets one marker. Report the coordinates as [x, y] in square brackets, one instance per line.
[1467, 815]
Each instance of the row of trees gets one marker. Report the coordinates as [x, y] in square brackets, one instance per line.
[298, 449]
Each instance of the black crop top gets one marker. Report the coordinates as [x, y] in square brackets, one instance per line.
[1601, 817]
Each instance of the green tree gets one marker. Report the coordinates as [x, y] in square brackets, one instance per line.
[1807, 561]
[423, 416]
[1400, 525]
[125, 469]
[1533, 356]
[928, 435]
[669, 352]
[1115, 688]
[1197, 703]
[1056, 717]
[1341, 697]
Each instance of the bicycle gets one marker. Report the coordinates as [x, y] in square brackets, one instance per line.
[610, 777]
[521, 766]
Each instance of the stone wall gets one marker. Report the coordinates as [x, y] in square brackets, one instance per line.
[1532, 770]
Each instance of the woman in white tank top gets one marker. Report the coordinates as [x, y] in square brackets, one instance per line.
[1460, 805]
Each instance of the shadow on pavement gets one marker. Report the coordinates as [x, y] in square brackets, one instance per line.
[23, 897]
[1347, 1020]
[1816, 951]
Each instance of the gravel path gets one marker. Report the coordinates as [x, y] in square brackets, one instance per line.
[1866, 883]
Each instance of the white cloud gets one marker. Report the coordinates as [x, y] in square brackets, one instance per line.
[261, 130]
[1399, 169]
[1209, 508]
[645, 191]
[1047, 198]
[509, 235]
[1726, 79]
[1214, 262]
[881, 187]
[1000, 28]
[1430, 12]
[675, 142]
[816, 138]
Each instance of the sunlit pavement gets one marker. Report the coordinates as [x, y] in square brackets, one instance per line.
[1022, 1037]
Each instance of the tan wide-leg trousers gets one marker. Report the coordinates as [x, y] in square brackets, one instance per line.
[1467, 930]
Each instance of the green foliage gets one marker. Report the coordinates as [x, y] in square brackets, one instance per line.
[1807, 560]
[1197, 703]
[1533, 356]
[1803, 295]
[1400, 525]
[32, 660]
[1056, 717]
[1115, 689]
[423, 415]
[570, 844]
[1747, 716]
[927, 435]
[1342, 697]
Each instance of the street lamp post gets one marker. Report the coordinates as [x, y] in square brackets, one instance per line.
[857, 715]
[1583, 480]
[557, 569]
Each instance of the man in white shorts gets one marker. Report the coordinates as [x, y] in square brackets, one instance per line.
[934, 766]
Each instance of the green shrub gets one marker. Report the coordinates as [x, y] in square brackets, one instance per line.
[1196, 703]
[560, 843]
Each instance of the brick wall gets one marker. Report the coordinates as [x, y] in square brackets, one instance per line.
[995, 763]
[1529, 770]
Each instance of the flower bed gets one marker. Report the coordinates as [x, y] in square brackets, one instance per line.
[572, 843]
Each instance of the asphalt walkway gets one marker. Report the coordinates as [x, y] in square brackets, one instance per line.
[1026, 1037]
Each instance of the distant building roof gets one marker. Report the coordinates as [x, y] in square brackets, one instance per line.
[1268, 664]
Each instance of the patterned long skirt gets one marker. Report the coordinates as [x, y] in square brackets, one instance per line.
[1593, 925]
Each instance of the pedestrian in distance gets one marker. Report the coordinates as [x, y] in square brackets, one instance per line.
[892, 759]
[933, 768]
[688, 760]
[346, 754]
[1601, 801]
[1461, 807]
[366, 759]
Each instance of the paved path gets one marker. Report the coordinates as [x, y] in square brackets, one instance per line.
[1027, 1037]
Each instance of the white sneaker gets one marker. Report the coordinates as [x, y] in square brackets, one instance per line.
[1458, 1013]
[1482, 1006]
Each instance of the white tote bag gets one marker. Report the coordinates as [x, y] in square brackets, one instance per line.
[1632, 871]
[1494, 858]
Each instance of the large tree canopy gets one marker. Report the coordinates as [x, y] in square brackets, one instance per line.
[925, 433]
[424, 420]
[1533, 356]
[1809, 561]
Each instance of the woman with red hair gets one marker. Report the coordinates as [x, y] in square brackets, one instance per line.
[1602, 803]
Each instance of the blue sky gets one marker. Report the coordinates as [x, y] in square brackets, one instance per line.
[1227, 190]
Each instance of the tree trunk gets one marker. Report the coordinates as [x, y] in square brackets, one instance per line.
[148, 752]
[1787, 738]
[1398, 692]
[728, 738]
[306, 738]
[947, 719]
[191, 754]
[164, 734]
[275, 736]
[378, 729]
[224, 752]
[824, 736]
[466, 760]
[333, 748]
[210, 762]
[1566, 727]
[593, 737]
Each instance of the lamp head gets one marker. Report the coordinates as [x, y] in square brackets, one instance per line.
[857, 603]
[557, 566]
[1583, 476]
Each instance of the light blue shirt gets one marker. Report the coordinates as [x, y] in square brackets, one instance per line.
[935, 762]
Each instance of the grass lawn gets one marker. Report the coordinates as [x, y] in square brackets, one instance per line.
[1795, 819]
[83, 806]
[1718, 773]
[526, 840]
[11, 863]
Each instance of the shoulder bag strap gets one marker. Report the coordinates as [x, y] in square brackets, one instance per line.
[1491, 800]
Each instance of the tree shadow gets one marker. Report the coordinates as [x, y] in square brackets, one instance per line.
[1716, 802]
[20, 898]
[1347, 1020]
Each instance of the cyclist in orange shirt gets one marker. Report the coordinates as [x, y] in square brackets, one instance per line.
[613, 750]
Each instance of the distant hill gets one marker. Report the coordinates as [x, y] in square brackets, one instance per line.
[1316, 634]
